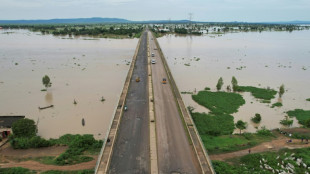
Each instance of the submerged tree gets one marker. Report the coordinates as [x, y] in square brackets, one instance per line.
[219, 84]
[234, 83]
[46, 81]
[241, 125]
[281, 90]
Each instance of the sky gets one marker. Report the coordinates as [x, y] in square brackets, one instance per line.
[139, 10]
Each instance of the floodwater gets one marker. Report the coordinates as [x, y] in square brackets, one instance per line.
[81, 69]
[266, 59]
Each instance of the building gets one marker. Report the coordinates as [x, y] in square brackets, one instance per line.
[6, 124]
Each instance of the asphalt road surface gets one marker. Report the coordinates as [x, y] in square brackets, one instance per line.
[175, 154]
[131, 150]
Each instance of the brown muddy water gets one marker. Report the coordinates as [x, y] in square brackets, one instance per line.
[81, 69]
[266, 59]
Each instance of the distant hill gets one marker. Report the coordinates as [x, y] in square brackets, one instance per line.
[98, 20]
[67, 21]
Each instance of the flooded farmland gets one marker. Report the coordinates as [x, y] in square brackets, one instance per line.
[80, 69]
[266, 59]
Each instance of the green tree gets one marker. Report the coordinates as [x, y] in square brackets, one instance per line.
[281, 90]
[307, 123]
[234, 83]
[241, 125]
[257, 118]
[24, 128]
[219, 84]
[46, 81]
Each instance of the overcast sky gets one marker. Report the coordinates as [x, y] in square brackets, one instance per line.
[203, 10]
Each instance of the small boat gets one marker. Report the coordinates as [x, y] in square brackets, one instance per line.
[46, 107]
[83, 122]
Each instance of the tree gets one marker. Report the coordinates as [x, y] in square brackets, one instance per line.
[234, 83]
[46, 81]
[24, 128]
[281, 90]
[257, 118]
[219, 84]
[241, 125]
[307, 123]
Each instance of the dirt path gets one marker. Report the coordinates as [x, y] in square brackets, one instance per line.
[273, 145]
[33, 165]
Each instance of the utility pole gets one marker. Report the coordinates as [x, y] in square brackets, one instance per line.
[190, 17]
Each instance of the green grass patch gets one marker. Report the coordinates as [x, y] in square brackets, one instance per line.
[301, 115]
[230, 143]
[308, 99]
[219, 102]
[90, 171]
[278, 104]
[208, 124]
[268, 162]
[260, 93]
[16, 170]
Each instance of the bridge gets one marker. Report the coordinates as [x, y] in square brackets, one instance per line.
[155, 134]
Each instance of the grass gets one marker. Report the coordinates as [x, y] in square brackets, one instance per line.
[208, 124]
[300, 114]
[260, 93]
[186, 92]
[16, 170]
[219, 102]
[289, 161]
[89, 171]
[278, 104]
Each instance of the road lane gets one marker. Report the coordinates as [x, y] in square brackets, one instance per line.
[131, 151]
[175, 154]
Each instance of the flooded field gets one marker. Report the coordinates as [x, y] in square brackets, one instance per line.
[81, 69]
[266, 59]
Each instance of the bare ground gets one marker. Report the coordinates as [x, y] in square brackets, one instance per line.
[9, 157]
[273, 145]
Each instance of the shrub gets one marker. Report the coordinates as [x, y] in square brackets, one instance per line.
[265, 132]
[257, 118]
[278, 104]
[24, 128]
[26, 143]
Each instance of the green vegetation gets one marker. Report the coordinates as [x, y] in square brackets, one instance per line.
[69, 172]
[229, 143]
[186, 92]
[207, 124]
[25, 137]
[260, 93]
[16, 170]
[24, 128]
[301, 115]
[219, 102]
[278, 104]
[284, 161]
[308, 99]
[241, 125]
[234, 83]
[219, 84]
[281, 90]
[286, 121]
[207, 88]
[46, 81]
[257, 118]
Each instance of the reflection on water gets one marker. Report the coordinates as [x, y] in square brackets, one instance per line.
[79, 69]
[266, 59]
